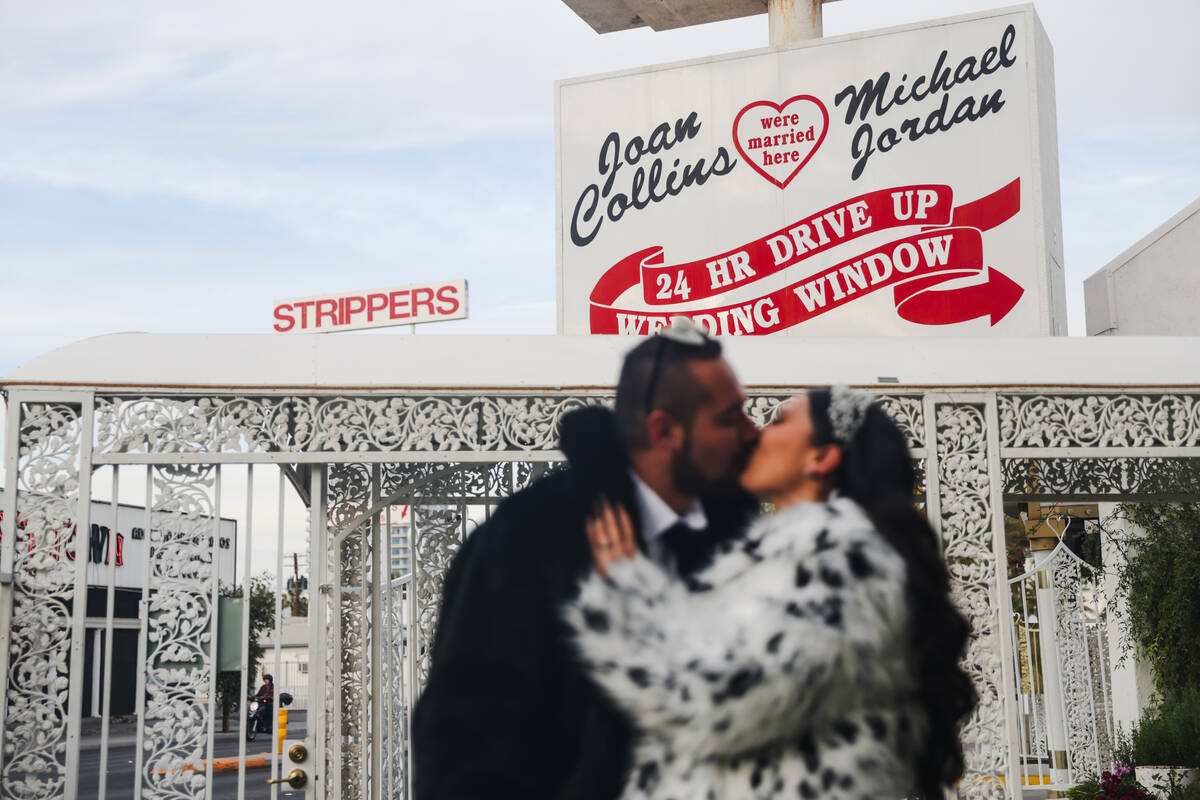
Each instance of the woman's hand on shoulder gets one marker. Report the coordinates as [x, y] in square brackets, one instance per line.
[610, 534]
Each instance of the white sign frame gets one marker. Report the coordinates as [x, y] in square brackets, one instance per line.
[1042, 309]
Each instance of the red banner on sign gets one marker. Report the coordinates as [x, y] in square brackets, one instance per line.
[948, 247]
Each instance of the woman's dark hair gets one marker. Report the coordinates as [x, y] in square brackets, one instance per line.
[876, 471]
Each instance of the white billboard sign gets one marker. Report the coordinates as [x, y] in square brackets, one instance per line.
[127, 545]
[372, 308]
[898, 182]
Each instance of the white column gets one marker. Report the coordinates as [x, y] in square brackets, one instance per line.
[1052, 681]
[791, 21]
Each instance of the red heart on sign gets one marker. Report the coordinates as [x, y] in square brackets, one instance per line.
[778, 139]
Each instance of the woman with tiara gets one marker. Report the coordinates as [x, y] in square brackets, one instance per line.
[817, 656]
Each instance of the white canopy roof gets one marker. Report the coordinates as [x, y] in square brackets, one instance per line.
[397, 361]
[606, 16]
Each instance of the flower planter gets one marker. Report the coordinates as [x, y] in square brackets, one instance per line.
[1159, 780]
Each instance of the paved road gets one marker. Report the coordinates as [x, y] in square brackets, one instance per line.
[122, 751]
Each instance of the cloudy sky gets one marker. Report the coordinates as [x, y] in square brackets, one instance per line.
[177, 167]
[174, 167]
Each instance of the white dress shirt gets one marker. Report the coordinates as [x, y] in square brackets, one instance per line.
[656, 517]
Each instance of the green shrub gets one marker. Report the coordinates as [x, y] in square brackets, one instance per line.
[1087, 789]
[1189, 792]
[1122, 752]
[1168, 734]
[1159, 581]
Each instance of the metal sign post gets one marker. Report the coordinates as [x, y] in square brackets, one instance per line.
[790, 21]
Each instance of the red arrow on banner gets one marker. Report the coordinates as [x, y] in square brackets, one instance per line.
[950, 249]
[917, 301]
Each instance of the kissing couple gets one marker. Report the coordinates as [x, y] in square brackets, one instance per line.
[695, 608]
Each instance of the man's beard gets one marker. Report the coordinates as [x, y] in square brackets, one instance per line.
[689, 480]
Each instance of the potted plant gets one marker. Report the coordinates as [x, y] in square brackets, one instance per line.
[1166, 744]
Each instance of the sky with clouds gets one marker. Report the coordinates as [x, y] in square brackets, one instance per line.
[177, 167]
[172, 167]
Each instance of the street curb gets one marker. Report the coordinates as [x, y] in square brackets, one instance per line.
[229, 764]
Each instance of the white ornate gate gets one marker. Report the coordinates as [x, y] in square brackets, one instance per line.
[1060, 618]
[452, 455]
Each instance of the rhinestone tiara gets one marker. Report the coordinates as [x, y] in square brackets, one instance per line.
[847, 411]
[684, 331]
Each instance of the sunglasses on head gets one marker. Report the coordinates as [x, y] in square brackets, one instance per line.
[682, 332]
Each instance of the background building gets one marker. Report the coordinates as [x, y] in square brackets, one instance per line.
[291, 673]
[399, 537]
[1152, 288]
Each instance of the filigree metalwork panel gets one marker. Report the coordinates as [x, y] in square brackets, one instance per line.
[966, 525]
[489, 483]
[180, 647]
[47, 486]
[1093, 420]
[1130, 479]
[308, 424]
[396, 701]
[437, 535]
[907, 411]
[348, 493]
[353, 666]
[1078, 683]
[762, 408]
[441, 479]
[1039, 711]
[518, 433]
[349, 497]
[459, 480]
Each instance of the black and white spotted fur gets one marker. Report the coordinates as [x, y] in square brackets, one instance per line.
[780, 671]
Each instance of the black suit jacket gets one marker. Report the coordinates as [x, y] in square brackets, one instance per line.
[508, 711]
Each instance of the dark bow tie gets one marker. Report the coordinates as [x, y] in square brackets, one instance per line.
[692, 548]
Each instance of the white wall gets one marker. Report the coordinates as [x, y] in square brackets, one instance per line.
[292, 675]
[1153, 288]
[1132, 680]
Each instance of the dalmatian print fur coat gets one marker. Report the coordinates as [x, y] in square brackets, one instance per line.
[779, 671]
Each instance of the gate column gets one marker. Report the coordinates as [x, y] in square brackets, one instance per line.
[970, 517]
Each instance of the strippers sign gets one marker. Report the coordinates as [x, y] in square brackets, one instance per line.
[372, 308]
[900, 182]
